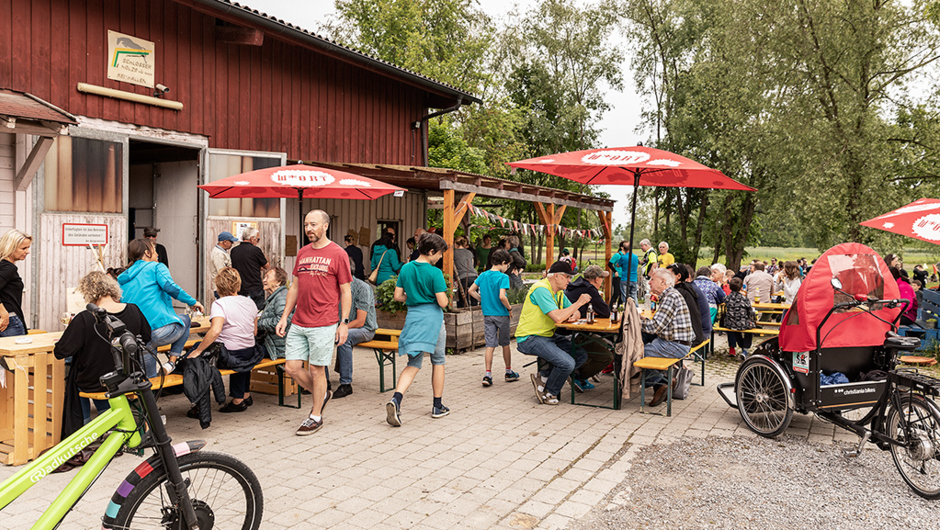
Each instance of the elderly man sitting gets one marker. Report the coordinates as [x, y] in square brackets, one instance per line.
[545, 306]
[671, 327]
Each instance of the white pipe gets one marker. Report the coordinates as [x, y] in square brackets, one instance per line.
[129, 96]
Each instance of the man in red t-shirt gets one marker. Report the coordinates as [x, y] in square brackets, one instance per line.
[321, 283]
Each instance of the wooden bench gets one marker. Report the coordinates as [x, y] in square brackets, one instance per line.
[696, 354]
[176, 379]
[929, 308]
[752, 331]
[385, 346]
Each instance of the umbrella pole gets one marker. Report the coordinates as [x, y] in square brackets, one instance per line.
[636, 187]
[300, 211]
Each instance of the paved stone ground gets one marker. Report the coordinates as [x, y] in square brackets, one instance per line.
[499, 460]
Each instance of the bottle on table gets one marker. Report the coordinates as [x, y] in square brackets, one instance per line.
[613, 315]
[590, 314]
[757, 295]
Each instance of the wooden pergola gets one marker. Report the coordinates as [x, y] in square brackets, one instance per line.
[460, 189]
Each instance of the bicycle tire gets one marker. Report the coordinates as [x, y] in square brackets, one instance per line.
[918, 460]
[225, 493]
[762, 397]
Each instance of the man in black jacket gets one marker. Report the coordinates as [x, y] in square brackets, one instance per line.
[599, 355]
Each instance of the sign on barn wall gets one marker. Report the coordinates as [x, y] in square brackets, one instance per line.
[130, 59]
[82, 234]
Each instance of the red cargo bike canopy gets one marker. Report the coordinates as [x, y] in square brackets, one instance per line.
[862, 272]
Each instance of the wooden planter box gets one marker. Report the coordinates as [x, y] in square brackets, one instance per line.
[464, 325]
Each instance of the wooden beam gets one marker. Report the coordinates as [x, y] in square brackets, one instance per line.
[449, 227]
[543, 215]
[461, 208]
[559, 213]
[605, 218]
[569, 199]
[35, 158]
[550, 237]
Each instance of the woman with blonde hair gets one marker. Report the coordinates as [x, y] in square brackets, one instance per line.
[84, 340]
[14, 246]
[148, 284]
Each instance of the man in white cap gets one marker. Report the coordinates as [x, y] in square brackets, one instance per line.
[219, 257]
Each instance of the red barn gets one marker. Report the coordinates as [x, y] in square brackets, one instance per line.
[112, 111]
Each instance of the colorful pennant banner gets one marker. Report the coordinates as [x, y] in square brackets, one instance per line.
[532, 229]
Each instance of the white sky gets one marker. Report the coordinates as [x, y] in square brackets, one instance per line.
[618, 124]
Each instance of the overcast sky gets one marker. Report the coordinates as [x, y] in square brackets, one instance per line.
[618, 124]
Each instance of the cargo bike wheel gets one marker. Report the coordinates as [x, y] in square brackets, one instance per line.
[918, 460]
[763, 396]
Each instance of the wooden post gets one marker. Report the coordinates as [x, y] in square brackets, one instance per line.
[550, 217]
[453, 214]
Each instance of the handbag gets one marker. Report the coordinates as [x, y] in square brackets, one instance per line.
[375, 272]
[683, 383]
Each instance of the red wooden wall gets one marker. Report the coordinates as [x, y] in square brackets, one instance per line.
[276, 97]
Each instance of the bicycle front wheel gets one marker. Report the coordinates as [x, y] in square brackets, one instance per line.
[225, 493]
[918, 459]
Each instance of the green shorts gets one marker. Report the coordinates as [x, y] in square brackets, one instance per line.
[314, 345]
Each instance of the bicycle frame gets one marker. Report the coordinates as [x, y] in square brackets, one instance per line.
[118, 421]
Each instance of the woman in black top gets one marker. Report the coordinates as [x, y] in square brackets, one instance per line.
[85, 341]
[14, 246]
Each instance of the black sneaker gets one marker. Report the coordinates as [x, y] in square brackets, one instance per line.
[393, 413]
[342, 391]
[439, 412]
[248, 401]
[232, 407]
[487, 380]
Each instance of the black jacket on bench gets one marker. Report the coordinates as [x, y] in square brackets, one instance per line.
[199, 375]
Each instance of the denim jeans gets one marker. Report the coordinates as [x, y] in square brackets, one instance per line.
[15, 328]
[344, 362]
[663, 348]
[174, 334]
[557, 352]
[632, 293]
[101, 405]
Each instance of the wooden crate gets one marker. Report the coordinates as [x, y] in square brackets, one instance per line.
[30, 406]
[264, 381]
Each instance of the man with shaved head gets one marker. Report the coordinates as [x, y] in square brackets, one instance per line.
[321, 283]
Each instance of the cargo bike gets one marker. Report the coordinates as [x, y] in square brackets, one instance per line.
[844, 321]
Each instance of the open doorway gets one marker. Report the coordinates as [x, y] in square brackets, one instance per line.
[162, 194]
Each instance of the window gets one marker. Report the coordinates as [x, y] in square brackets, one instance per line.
[220, 166]
[84, 175]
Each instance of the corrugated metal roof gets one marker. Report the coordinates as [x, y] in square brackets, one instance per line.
[28, 107]
[248, 13]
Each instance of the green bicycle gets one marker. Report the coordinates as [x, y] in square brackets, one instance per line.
[179, 487]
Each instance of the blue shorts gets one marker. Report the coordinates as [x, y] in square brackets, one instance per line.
[437, 356]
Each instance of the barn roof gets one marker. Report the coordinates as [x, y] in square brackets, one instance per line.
[276, 26]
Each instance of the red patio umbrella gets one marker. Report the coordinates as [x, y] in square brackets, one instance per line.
[298, 181]
[919, 219]
[639, 166]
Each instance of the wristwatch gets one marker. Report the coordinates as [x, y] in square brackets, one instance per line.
[345, 321]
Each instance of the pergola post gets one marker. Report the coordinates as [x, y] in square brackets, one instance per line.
[550, 217]
[453, 214]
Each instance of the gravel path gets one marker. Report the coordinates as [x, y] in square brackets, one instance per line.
[744, 482]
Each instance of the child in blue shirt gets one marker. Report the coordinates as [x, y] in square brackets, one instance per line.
[422, 288]
[490, 289]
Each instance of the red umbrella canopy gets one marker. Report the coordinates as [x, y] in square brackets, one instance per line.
[621, 165]
[919, 219]
[290, 181]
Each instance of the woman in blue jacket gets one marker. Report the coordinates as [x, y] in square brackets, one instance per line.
[390, 264]
[148, 285]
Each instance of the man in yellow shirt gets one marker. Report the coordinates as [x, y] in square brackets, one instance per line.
[665, 259]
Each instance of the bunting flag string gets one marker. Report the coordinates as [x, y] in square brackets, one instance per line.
[533, 229]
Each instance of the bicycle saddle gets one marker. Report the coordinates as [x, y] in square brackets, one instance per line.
[893, 341]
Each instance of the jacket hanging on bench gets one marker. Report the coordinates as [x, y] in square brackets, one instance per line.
[199, 375]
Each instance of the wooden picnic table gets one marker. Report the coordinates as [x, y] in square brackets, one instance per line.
[31, 400]
[600, 327]
[770, 306]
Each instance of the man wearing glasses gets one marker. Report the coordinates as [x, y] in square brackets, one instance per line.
[545, 306]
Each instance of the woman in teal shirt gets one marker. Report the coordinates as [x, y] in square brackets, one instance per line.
[422, 288]
[390, 264]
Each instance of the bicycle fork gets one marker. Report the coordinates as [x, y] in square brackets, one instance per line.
[178, 493]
